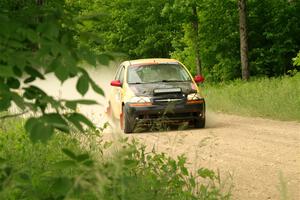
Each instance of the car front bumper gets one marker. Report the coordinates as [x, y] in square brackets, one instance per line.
[167, 112]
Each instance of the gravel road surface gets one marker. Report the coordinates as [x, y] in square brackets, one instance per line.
[259, 157]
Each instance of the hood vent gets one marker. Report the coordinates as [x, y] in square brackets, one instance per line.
[160, 91]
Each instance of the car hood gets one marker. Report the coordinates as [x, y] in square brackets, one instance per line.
[147, 89]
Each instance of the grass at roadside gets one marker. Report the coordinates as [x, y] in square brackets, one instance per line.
[72, 168]
[275, 98]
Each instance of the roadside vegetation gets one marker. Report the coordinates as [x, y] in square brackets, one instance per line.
[78, 166]
[275, 98]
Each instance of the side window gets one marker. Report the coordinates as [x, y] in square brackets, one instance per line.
[121, 75]
[118, 73]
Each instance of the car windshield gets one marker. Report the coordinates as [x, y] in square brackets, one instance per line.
[157, 73]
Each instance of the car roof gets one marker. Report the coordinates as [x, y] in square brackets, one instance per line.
[151, 61]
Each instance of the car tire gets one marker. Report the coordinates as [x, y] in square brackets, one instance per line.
[199, 123]
[128, 121]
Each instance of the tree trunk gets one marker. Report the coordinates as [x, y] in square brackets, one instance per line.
[195, 27]
[243, 39]
[39, 2]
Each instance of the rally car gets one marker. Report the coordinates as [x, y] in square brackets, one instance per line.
[148, 90]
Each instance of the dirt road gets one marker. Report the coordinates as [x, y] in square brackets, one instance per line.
[254, 151]
[263, 156]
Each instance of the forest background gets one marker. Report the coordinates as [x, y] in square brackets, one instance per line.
[207, 30]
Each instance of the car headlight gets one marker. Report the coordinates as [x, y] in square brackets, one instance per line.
[193, 97]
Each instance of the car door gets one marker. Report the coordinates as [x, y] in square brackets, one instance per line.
[117, 98]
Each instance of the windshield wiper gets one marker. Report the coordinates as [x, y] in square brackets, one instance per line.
[173, 81]
[136, 83]
[167, 81]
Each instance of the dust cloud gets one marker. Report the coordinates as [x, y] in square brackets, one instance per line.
[102, 75]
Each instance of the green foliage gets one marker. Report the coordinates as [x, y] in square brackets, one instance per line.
[27, 170]
[273, 35]
[184, 50]
[276, 98]
[37, 39]
[163, 28]
[220, 40]
[273, 38]
[66, 168]
[297, 60]
[135, 28]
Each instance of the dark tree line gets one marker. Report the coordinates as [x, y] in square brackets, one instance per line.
[210, 36]
[206, 35]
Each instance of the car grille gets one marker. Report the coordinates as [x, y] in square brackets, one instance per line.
[164, 99]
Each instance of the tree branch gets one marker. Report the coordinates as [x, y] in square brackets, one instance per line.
[13, 115]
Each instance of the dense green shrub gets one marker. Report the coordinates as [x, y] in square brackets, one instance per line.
[78, 166]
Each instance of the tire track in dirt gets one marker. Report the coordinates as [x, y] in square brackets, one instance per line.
[254, 151]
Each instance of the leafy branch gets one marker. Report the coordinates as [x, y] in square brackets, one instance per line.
[38, 40]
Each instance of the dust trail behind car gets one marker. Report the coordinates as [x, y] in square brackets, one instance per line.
[102, 75]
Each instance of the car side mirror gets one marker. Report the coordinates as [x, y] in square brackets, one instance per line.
[199, 79]
[116, 83]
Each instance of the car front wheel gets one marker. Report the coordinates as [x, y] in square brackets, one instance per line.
[127, 121]
[199, 122]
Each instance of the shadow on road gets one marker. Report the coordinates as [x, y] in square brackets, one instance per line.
[145, 129]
